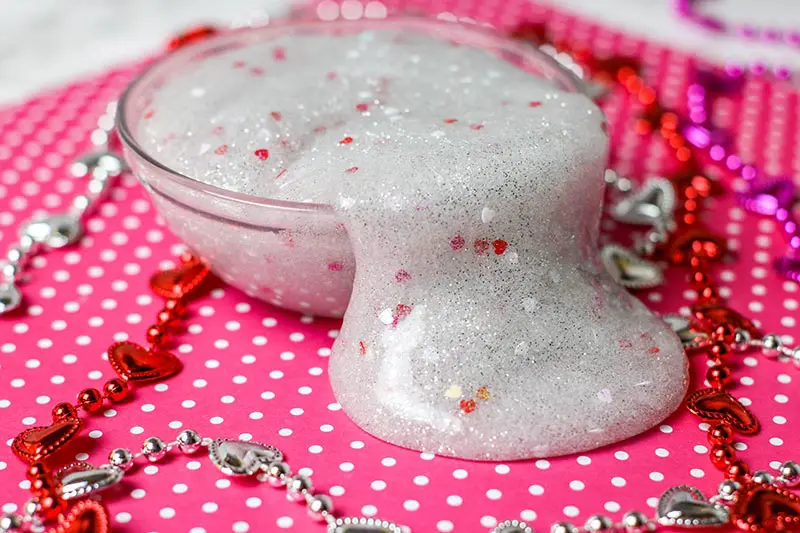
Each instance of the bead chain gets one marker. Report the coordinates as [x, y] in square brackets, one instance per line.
[39, 235]
[686, 9]
[299, 487]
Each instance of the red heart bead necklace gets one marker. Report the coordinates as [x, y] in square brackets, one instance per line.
[752, 501]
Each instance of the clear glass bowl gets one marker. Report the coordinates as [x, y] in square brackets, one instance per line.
[291, 254]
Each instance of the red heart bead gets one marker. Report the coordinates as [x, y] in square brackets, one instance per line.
[86, 516]
[180, 281]
[715, 404]
[697, 243]
[764, 508]
[708, 317]
[37, 443]
[135, 363]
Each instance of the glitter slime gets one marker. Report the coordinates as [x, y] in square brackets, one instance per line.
[482, 324]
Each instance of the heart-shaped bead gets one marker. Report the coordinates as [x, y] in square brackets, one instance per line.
[653, 204]
[691, 338]
[241, 458]
[10, 298]
[80, 479]
[768, 196]
[788, 267]
[685, 506]
[767, 509]
[135, 363]
[708, 317]
[362, 525]
[512, 526]
[180, 281]
[37, 443]
[696, 243]
[86, 516]
[630, 270]
[714, 404]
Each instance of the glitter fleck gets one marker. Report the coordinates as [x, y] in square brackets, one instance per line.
[362, 347]
[534, 104]
[402, 276]
[450, 120]
[262, 154]
[335, 266]
[346, 140]
[454, 391]
[400, 312]
[457, 243]
[362, 107]
[483, 393]
[351, 170]
[221, 149]
[276, 115]
[500, 246]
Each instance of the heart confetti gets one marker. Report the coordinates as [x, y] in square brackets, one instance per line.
[238, 457]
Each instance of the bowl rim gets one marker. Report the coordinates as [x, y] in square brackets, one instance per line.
[129, 141]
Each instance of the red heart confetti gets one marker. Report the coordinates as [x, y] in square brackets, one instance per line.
[86, 516]
[715, 404]
[262, 154]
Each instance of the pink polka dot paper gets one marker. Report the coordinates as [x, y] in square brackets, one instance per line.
[254, 371]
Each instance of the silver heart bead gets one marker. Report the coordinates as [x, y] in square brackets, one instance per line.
[241, 458]
[363, 525]
[82, 482]
[10, 298]
[512, 526]
[630, 270]
[54, 231]
[683, 329]
[685, 506]
[653, 204]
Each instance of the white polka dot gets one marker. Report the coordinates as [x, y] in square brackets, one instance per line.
[123, 518]
[780, 398]
[150, 470]
[241, 527]
[411, 505]
[460, 473]
[336, 490]
[137, 430]
[216, 420]
[388, 461]
[612, 507]
[661, 452]
[378, 485]
[697, 472]
[210, 507]
[618, 481]
[138, 494]
[369, 510]
[776, 441]
[315, 449]
[445, 526]
[622, 456]
[494, 494]
[421, 480]
[536, 490]
[346, 467]
[502, 469]
[656, 476]
[488, 521]
[193, 465]
[584, 460]
[571, 511]
[577, 485]
[227, 399]
[253, 502]
[454, 500]
[285, 522]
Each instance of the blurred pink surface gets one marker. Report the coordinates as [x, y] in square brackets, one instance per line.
[254, 371]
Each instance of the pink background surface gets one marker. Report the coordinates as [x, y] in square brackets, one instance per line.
[254, 371]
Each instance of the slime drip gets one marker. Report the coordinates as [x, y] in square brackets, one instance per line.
[481, 323]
